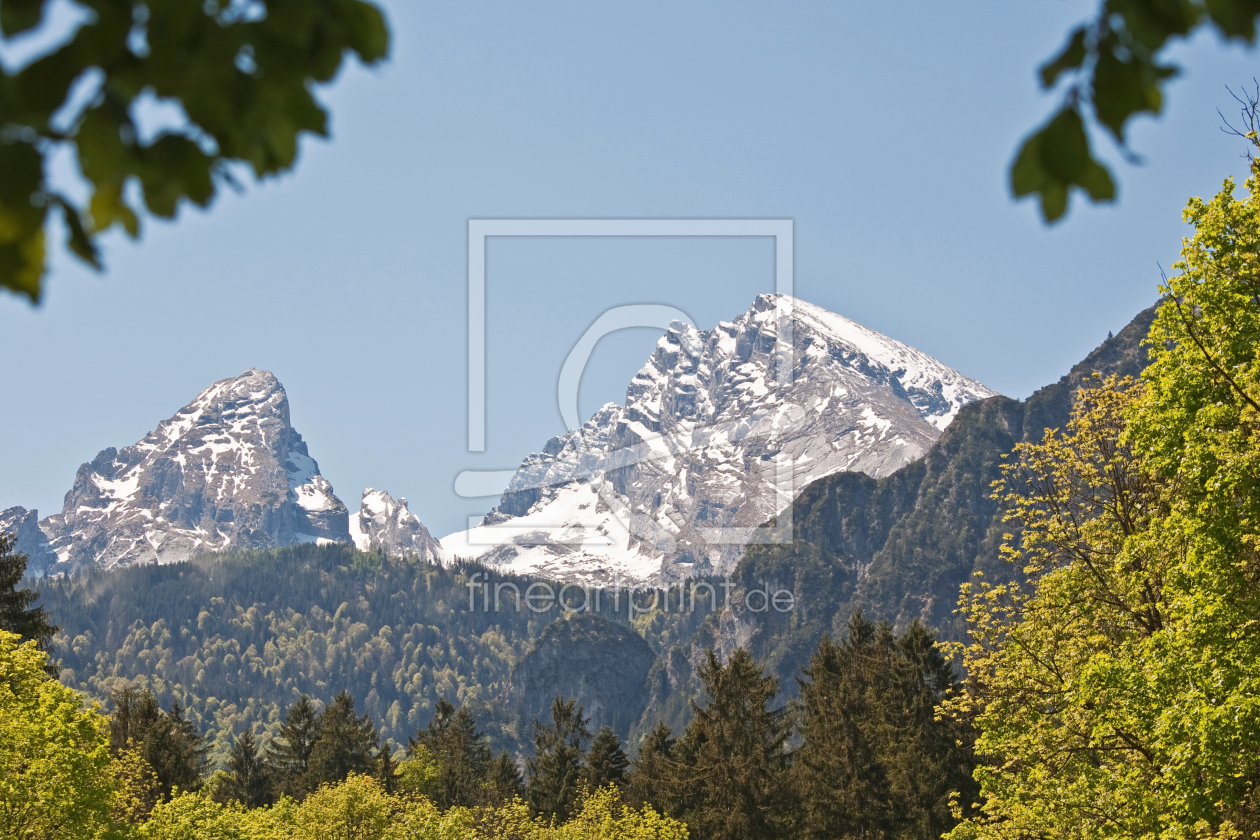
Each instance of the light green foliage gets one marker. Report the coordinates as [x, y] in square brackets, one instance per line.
[356, 809]
[1117, 692]
[603, 816]
[1115, 69]
[242, 73]
[417, 774]
[56, 776]
[359, 809]
[196, 816]
[1056, 679]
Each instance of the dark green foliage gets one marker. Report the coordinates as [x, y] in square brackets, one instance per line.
[248, 781]
[347, 743]
[606, 762]
[170, 743]
[730, 768]
[237, 638]
[649, 781]
[16, 613]
[244, 79]
[460, 752]
[290, 754]
[874, 761]
[503, 779]
[555, 771]
[257, 630]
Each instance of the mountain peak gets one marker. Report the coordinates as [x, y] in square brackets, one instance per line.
[227, 470]
[713, 440]
[387, 525]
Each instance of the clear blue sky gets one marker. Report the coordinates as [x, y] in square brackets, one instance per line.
[883, 129]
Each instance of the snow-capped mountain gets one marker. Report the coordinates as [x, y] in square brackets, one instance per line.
[712, 442]
[226, 471]
[387, 525]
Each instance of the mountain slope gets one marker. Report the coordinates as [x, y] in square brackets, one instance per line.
[709, 445]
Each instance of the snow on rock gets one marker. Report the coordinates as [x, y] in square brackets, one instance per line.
[387, 525]
[23, 524]
[711, 444]
[226, 471]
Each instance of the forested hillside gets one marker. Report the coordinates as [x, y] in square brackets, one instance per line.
[235, 638]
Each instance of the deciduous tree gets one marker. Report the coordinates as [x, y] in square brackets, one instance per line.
[243, 74]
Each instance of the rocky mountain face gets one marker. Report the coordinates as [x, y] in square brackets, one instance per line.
[601, 664]
[384, 524]
[23, 524]
[226, 471]
[711, 443]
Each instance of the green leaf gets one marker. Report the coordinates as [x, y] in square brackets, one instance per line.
[1054, 201]
[77, 238]
[22, 265]
[1125, 83]
[1072, 57]
[20, 15]
[1027, 173]
[1057, 158]
[1097, 181]
[1235, 18]
[1152, 22]
[369, 34]
[1064, 146]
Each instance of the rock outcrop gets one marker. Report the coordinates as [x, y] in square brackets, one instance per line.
[386, 525]
[23, 524]
[600, 664]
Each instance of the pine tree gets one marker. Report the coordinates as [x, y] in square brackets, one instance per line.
[503, 779]
[347, 743]
[874, 761]
[16, 613]
[555, 771]
[650, 780]
[171, 744]
[730, 768]
[248, 781]
[460, 751]
[606, 762]
[288, 758]
[387, 771]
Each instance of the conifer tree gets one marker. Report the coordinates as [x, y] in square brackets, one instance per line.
[170, 743]
[555, 771]
[730, 768]
[289, 755]
[503, 779]
[606, 762]
[16, 613]
[347, 743]
[874, 760]
[650, 781]
[248, 781]
[460, 751]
